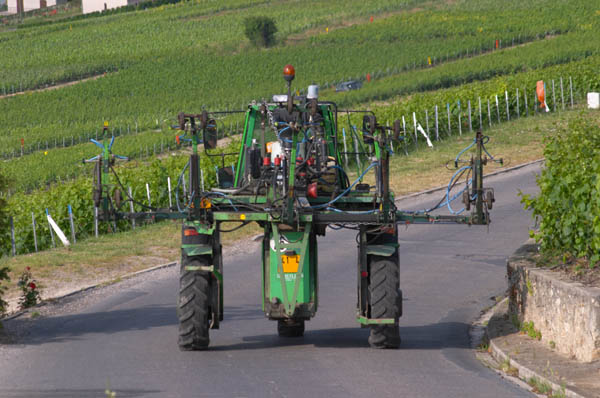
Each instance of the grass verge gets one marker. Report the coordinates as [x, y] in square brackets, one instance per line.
[105, 259]
[518, 141]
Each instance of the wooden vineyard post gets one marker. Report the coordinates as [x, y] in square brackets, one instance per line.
[459, 119]
[571, 89]
[470, 123]
[562, 94]
[498, 109]
[449, 124]
[345, 148]
[415, 126]
[12, 236]
[553, 96]
[169, 189]
[148, 195]
[437, 130]
[95, 221]
[202, 179]
[480, 117]
[131, 207]
[72, 224]
[35, 244]
[507, 109]
[404, 132]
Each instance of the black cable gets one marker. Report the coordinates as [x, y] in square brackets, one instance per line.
[130, 198]
[235, 228]
[451, 187]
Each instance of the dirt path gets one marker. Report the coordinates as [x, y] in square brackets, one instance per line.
[57, 86]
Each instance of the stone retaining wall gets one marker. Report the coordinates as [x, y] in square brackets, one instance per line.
[566, 313]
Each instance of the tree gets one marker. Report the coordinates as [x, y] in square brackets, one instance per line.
[4, 220]
[3, 277]
[260, 30]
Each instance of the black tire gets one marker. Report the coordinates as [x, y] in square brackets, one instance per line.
[193, 308]
[384, 295]
[290, 328]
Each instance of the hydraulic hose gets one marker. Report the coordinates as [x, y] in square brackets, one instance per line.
[325, 205]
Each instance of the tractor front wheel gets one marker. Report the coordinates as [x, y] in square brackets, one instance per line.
[290, 327]
[193, 308]
[384, 296]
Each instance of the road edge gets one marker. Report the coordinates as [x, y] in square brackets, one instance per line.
[501, 356]
[90, 287]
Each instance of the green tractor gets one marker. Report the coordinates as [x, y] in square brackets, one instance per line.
[290, 180]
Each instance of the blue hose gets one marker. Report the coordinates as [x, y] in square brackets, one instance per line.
[283, 139]
[448, 199]
[350, 212]
[225, 196]
[324, 205]
[463, 151]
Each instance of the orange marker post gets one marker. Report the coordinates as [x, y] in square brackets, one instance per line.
[541, 95]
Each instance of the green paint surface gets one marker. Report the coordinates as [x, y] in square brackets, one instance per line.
[307, 285]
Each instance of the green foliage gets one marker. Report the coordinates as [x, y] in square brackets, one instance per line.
[531, 331]
[541, 387]
[568, 205]
[42, 167]
[529, 287]
[260, 30]
[59, 164]
[4, 217]
[533, 60]
[3, 277]
[78, 194]
[120, 45]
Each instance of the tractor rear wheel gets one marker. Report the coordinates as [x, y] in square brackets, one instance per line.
[384, 296]
[193, 308]
[290, 327]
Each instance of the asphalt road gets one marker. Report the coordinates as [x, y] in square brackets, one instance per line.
[124, 336]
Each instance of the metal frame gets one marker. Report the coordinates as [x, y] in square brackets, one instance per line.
[364, 209]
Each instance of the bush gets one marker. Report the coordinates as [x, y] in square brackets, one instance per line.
[260, 30]
[4, 226]
[568, 205]
[3, 277]
[30, 294]
[4, 218]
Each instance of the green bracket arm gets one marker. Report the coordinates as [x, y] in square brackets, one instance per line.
[289, 304]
